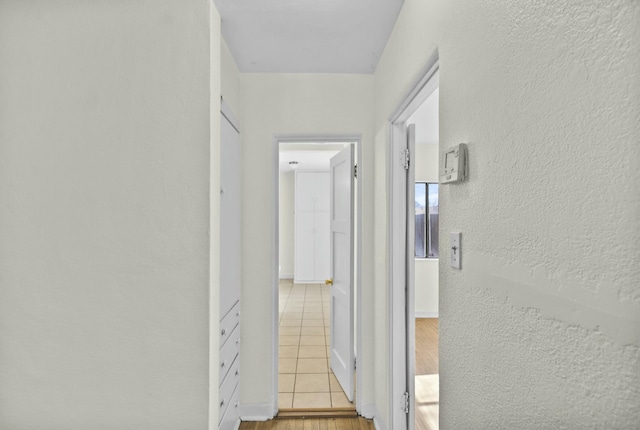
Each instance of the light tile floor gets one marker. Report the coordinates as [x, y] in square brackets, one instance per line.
[305, 379]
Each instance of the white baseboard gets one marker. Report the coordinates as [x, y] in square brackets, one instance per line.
[426, 314]
[256, 411]
[368, 411]
[286, 276]
[378, 425]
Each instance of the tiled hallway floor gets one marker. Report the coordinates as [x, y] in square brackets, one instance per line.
[305, 379]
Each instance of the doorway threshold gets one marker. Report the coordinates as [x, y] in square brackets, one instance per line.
[318, 413]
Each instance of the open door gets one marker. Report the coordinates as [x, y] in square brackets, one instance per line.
[410, 295]
[341, 261]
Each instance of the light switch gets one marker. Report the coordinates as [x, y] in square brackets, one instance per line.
[455, 249]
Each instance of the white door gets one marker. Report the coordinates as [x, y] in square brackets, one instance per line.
[341, 262]
[229, 216]
[402, 254]
[410, 298]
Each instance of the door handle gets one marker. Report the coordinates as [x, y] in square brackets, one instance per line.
[328, 282]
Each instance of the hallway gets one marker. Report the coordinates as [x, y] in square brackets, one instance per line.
[305, 379]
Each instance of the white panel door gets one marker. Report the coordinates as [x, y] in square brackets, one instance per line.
[229, 216]
[341, 265]
[322, 225]
[410, 290]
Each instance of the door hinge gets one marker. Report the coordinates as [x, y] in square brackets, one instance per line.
[406, 158]
[355, 171]
[355, 366]
[406, 402]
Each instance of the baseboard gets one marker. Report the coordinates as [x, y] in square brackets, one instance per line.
[317, 413]
[286, 276]
[378, 424]
[368, 411]
[256, 411]
[426, 314]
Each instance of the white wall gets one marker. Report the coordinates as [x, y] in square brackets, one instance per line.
[104, 179]
[292, 104]
[541, 327]
[287, 224]
[426, 269]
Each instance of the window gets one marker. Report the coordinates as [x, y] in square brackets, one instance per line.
[426, 220]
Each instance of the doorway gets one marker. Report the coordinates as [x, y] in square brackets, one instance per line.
[305, 377]
[425, 260]
[413, 216]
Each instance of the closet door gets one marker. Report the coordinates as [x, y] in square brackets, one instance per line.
[229, 216]
[304, 228]
[312, 234]
[322, 226]
[230, 231]
[305, 249]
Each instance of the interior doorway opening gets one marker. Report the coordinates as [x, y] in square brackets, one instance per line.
[425, 259]
[414, 265]
[305, 379]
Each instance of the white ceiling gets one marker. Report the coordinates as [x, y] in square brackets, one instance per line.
[307, 36]
[426, 119]
[308, 159]
[309, 155]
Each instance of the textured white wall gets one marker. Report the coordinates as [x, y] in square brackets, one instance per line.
[426, 269]
[287, 224]
[541, 327]
[104, 182]
[292, 104]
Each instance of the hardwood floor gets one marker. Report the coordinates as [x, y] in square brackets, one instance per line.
[427, 379]
[310, 424]
[426, 346]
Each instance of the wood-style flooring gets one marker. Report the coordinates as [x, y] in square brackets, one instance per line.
[427, 379]
[311, 424]
[426, 346]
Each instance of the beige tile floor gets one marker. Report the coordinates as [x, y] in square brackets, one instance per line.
[305, 379]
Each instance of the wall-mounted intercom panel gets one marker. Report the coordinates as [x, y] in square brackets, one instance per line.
[454, 165]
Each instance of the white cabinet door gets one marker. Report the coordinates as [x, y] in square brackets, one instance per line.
[311, 255]
[304, 243]
[305, 191]
[322, 184]
[229, 216]
[321, 246]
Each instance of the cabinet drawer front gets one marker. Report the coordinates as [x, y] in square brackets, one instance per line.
[227, 388]
[228, 323]
[229, 295]
[231, 418]
[228, 353]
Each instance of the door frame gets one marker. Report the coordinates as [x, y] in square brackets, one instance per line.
[401, 265]
[275, 252]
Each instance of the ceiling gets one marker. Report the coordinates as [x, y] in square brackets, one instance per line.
[307, 36]
[309, 155]
[307, 159]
